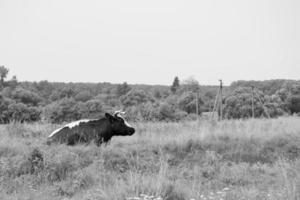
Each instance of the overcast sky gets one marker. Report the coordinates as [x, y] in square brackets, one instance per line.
[151, 41]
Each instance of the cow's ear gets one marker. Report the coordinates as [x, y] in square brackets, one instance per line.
[109, 116]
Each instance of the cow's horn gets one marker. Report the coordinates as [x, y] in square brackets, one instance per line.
[119, 112]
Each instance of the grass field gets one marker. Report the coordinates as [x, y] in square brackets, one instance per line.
[250, 159]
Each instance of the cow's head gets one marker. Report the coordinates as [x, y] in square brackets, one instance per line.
[119, 124]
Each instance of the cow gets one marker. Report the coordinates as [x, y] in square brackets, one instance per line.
[88, 130]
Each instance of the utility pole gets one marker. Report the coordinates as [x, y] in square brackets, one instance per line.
[252, 89]
[215, 105]
[197, 106]
[221, 99]
[218, 105]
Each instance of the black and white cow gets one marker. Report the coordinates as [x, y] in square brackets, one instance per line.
[97, 130]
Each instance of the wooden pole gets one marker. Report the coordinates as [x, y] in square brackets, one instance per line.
[221, 99]
[197, 106]
[215, 104]
[252, 89]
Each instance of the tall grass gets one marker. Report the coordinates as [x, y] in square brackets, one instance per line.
[238, 159]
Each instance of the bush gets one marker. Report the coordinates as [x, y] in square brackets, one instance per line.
[83, 96]
[239, 105]
[293, 103]
[91, 109]
[136, 97]
[122, 89]
[4, 113]
[65, 92]
[108, 100]
[155, 112]
[22, 113]
[63, 110]
[167, 113]
[275, 109]
[26, 97]
[146, 111]
[187, 102]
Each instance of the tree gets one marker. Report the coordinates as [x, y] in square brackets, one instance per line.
[239, 104]
[4, 104]
[293, 99]
[293, 103]
[22, 113]
[187, 102]
[66, 92]
[12, 83]
[274, 109]
[62, 110]
[283, 94]
[135, 97]
[25, 96]
[157, 94]
[295, 90]
[91, 109]
[191, 84]
[175, 86]
[3, 73]
[83, 96]
[45, 89]
[123, 89]
[143, 112]
[169, 112]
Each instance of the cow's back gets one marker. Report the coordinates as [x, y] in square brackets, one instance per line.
[83, 131]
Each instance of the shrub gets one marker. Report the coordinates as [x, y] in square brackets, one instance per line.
[136, 97]
[63, 110]
[4, 113]
[168, 112]
[83, 96]
[187, 102]
[91, 109]
[22, 113]
[293, 103]
[65, 92]
[122, 89]
[146, 111]
[36, 161]
[155, 112]
[239, 105]
[26, 97]
[275, 109]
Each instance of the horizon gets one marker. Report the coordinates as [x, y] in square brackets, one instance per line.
[180, 80]
[150, 42]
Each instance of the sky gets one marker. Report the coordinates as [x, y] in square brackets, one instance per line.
[151, 41]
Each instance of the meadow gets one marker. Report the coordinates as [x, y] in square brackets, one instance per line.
[232, 159]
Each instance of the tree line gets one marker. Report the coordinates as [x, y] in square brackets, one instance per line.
[59, 102]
